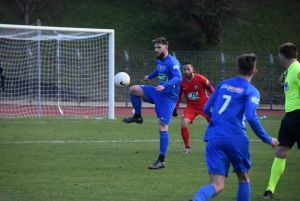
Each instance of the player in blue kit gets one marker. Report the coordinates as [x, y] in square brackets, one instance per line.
[164, 96]
[233, 102]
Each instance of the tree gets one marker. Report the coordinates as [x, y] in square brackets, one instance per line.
[29, 6]
[201, 22]
[46, 10]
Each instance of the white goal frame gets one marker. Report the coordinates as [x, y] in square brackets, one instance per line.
[111, 55]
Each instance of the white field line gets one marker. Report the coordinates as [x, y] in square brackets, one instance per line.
[99, 141]
[107, 121]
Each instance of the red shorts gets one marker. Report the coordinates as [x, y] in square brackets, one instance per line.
[191, 113]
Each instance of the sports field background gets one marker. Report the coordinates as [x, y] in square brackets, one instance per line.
[91, 159]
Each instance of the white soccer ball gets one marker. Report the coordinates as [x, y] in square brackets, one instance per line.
[122, 79]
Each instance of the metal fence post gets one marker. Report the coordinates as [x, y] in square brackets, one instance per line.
[39, 70]
[174, 54]
[271, 80]
[78, 75]
[222, 65]
[126, 70]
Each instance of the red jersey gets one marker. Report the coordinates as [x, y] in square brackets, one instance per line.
[195, 91]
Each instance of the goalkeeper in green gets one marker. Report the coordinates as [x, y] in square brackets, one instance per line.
[2, 76]
[289, 132]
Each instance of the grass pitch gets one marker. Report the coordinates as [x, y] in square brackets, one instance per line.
[107, 160]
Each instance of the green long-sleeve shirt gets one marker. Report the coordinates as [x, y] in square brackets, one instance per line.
[292, 87]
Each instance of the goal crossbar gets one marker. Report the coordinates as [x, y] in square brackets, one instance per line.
[50, 28]
[89, 56]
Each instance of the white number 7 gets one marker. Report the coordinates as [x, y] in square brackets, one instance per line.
[224, 106]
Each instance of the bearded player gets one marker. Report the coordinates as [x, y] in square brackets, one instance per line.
[194, 87]
[164, 96]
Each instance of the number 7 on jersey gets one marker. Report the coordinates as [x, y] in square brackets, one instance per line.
[224, 106]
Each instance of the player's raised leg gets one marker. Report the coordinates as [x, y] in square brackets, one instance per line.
[136, 93]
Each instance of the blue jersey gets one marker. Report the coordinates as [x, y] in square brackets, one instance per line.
[232, 104]
[169, 76]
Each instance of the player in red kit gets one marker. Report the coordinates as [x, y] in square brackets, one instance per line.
[194, 87]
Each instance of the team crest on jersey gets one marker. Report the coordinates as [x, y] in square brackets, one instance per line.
[162, 77]
[196, 87]
[232, 89]
[162, 67]
[286, 86]
[193, 96]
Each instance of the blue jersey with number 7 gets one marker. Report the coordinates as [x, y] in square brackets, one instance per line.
[233, 102]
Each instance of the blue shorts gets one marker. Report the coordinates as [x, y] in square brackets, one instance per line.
[222, 152]
[164, 104]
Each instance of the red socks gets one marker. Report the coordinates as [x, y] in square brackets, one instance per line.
[185, 133]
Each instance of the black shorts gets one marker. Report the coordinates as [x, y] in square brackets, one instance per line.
[289, 131]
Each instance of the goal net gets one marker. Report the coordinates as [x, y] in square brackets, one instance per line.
[57, 72]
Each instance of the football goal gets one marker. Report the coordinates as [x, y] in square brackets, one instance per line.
[57, 72]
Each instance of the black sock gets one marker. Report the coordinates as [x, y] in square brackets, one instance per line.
[161, 158]
[137, 115]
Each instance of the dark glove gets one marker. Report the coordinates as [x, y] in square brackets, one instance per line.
[175, 113]
[3, 85]
[2, 82]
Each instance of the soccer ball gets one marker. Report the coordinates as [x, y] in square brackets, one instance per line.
[122, 79]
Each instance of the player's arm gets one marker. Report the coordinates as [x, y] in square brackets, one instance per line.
[180, 96]
[175, 114]
[297, 79]
[204, 82]
[282, 79]
[208, 107]
[152, 75]
[250, 112]
[208, 86]
[177, 78]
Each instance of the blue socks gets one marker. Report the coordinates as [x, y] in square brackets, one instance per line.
[208, 191]
[164, 142]
[205, 193]
[164, 135]
[136, 103]
[244, 192]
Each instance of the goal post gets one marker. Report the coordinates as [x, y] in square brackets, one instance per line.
[57, 71]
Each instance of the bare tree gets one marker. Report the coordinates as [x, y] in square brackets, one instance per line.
[29, 6]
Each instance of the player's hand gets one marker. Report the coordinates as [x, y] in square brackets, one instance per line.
[274, 142]
[282, 78]
[175, 113]
[159, 88]
[146, 78]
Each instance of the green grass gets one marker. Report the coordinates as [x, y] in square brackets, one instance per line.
[88, 159]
